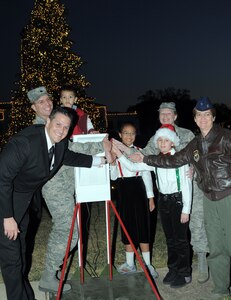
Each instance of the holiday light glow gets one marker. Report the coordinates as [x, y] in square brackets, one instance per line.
[47, 59]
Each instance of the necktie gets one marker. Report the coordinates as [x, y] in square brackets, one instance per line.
[50, 154]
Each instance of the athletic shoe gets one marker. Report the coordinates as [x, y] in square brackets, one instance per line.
[153, 271]
[126, 269]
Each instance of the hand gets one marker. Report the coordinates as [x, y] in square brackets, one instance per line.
[184, 218]
[115, 150]
[107, 145]
[110, 156]
[10, 228]
[121, 146]
[190, 172]
[151, 204]
[136, 157]
[93, 131]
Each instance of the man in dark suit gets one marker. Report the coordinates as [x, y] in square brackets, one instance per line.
[24, 169]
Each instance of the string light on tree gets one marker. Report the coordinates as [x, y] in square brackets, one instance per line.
[47, 59]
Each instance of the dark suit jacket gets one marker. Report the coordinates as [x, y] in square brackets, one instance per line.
[24, 168]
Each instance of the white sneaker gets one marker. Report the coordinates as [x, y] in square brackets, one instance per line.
[153, 271]
[126, 269]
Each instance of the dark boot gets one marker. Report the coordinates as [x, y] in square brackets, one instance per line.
[49, 283]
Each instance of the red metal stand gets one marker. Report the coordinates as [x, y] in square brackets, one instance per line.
[108, 221]
[76, 212]
[77, 206]
[150, 280]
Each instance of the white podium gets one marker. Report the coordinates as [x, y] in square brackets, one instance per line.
[92, 184]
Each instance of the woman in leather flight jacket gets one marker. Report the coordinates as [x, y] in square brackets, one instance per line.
[210, 154]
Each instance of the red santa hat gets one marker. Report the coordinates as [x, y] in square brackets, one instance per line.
[167, 131]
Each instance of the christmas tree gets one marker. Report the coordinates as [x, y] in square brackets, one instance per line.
[47, 60]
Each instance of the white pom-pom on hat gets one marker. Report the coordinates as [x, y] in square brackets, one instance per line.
[167, 131]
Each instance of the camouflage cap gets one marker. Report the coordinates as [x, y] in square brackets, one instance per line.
[169, 105]
[35, 94]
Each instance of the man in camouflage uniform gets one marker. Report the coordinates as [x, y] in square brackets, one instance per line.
[168, 115]
[58, 194]
[42, 105]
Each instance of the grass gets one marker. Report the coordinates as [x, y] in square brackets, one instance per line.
[97, 245]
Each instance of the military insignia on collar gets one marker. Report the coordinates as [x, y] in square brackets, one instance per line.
[196, 155]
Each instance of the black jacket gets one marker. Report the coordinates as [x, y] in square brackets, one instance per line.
[24, 168]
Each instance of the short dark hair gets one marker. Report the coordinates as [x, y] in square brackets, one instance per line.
[66, 111]
[213, 111]
[127, 124]
[69, 88]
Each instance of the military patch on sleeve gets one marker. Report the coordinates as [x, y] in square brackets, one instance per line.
[196, 155]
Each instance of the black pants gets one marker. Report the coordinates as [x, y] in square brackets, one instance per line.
[12, 262]
[176, 233]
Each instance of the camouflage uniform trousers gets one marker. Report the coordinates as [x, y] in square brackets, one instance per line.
[59, 196]
[199, 240]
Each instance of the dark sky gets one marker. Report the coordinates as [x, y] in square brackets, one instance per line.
[132, 46]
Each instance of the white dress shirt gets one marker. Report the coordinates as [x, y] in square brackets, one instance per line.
[167, 181]
[146, 176]
[49, 145]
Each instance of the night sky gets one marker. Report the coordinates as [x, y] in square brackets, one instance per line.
[132, 46]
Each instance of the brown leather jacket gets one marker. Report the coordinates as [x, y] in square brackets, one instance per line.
[211, 158]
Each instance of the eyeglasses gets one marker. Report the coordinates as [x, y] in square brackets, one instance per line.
[128, 133]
